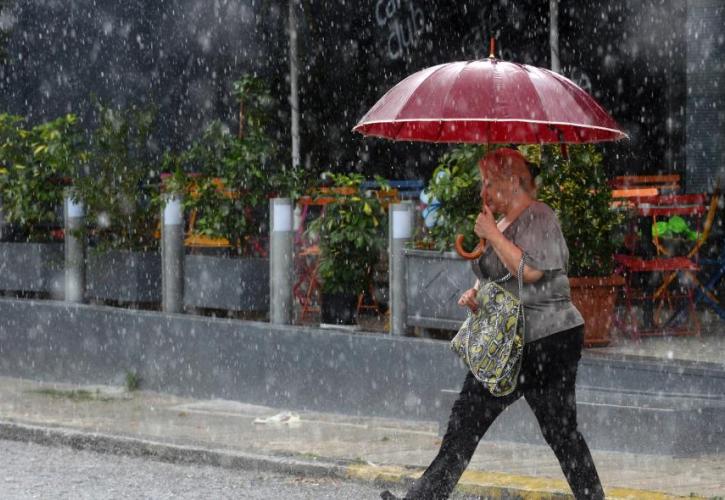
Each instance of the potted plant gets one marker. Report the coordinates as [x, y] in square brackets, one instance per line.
[117, 187]
[227, 267]
[351, 236]
[577, 189]
[232, 178]
[35, 166]
[437, 275]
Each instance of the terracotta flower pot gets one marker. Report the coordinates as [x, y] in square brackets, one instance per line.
[595, 298]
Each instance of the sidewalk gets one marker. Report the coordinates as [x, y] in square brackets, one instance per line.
[387, 451]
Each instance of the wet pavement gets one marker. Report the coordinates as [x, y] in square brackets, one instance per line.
[32, 471]
[377, 449]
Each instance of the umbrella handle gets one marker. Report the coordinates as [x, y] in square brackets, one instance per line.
[474, 254]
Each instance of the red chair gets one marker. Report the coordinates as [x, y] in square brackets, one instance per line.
[663, 284]
[307, 287]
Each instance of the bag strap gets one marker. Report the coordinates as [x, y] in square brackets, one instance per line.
[520, 277]
[519, 274]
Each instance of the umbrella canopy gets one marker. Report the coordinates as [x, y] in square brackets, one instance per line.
[489, 102]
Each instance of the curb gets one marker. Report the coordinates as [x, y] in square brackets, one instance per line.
[165, 452]
[490, 485]
[497, 485]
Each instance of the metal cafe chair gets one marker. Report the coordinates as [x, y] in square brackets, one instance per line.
[306, 289]
[631, 186]
[709, 282]
[664, 284]
[706, 291]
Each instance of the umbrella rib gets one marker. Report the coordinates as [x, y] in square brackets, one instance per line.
[448, 94]
[407, 100]
[593, 108]
[538, 98]
[363, 121]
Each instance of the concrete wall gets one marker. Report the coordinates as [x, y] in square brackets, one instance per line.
[620, 398]
[286, 366]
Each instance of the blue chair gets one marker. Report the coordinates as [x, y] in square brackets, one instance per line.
[407, 189]
[705, 291]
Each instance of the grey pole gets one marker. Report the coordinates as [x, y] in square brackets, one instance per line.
[75, 250]
[172, 255]
[281, 263]
[294, 84]
[554, 35]
[400, 225]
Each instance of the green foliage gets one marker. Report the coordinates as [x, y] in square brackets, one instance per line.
[230, 186]
[291, 182]
[352, 237]
[255, 101]
[118, 185]
[35, 166]
[236, 176]
[456, 184]
[577, 189]
[132, 380]
[231, 190]
[177, 183]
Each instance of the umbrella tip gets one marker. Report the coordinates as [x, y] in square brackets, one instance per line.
[492, 48]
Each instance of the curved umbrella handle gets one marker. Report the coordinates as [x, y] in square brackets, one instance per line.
[472, 255]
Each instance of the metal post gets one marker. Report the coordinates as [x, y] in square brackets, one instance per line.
[75, 250]
[401, 223]
[172, 255]
[294, 86]
[554, 35]
[281, 263]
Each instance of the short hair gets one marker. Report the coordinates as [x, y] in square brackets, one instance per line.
[507, 162]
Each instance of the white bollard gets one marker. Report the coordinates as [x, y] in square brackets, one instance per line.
[281, 262]
[75, 250]
[401, 223]
[172, 255]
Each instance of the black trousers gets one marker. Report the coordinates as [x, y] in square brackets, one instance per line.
[547, 379]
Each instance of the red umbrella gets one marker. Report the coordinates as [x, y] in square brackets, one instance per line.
[488, 102]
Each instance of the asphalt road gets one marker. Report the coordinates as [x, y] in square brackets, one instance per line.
[31, 471]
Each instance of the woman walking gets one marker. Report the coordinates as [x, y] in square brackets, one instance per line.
[554, 332]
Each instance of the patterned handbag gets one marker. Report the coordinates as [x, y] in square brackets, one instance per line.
[491, 340]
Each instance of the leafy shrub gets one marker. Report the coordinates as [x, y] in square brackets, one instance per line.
[119, 182]
[456, 185]
[351, 235]
[578, 191]
[231, 178]
[36, 165]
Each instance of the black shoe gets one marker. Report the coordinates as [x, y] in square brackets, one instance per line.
[386, 495]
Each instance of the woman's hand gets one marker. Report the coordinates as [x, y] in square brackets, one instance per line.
[485, 224]
[468, 299]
